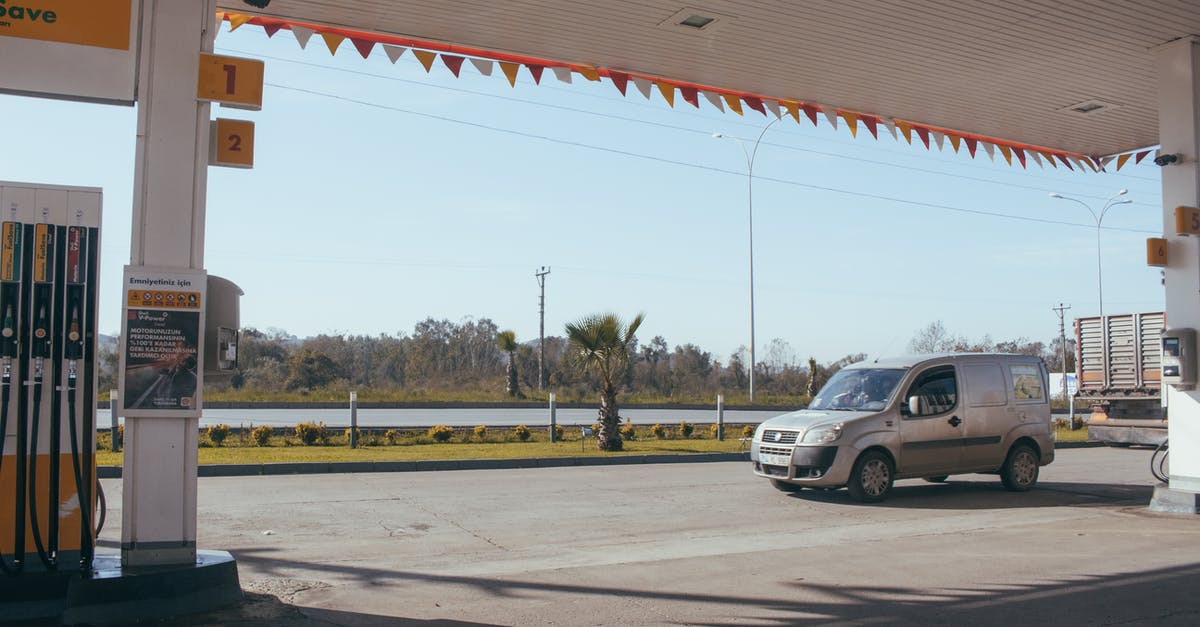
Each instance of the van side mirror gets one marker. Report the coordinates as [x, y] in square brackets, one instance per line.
[914, 405]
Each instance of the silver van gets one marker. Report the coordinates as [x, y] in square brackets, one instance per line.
[927, 416]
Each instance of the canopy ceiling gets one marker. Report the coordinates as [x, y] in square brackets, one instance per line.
[1008, 69]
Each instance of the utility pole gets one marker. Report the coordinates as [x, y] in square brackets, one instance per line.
[1062, 339]
[541, 279]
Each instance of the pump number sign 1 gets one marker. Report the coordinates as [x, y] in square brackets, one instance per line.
[231, 81]
[161, 352]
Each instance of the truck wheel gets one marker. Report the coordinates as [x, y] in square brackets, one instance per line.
[871, 478]
[1020, 470]
[784, 486]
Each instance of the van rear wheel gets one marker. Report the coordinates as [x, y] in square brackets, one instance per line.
[1020, 470]
[871, 478]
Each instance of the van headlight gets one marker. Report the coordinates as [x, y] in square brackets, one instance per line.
[823, 434]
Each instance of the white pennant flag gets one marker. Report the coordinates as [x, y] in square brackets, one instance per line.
[891, 127]
[643, 85]
[940, 138]
[773, 107]
[714, 100]
[1034, 154]
[302, 34]
[562, 73]
[1105, 161]
[1076, 161]
[832, 116]
[393, 52]
[991, 150]
[483, 65]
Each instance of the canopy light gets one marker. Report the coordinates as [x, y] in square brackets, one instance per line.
[697, 21]
[692, 19]
[1090, 106]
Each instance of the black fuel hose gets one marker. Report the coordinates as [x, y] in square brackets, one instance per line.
[1158, 462]
[85, 549]
[34, 425]
[5, 395]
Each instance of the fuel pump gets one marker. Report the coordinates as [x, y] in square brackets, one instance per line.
[48, 269]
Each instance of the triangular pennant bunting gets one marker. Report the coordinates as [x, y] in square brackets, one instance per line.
[923, 133]
[906, 130]
[972, 143]
[715, 100]
[1122, 159]
[643, 85]
[483, 66]
[1050, 158]
[302, 35]
[938, 138]
[562, 73]
[271, 29]
[1064, 161]
[754, 103]
[890, 124]
[991, 150]
[1020, 156]
[588, 72]
[332, 41]
[1105, 161]
[690, 96]
[510, 72]
[619, 80]
[453, 63]
[426, 58]
[955, 141]
[773, 107]
[535, 71]
[733, 102]
[871, 123]
[851, 121]
[1139, 156]
[831, 115]
[793, 109]
[668, 92]
[1036, 158]
[236, 20]
[393, 52]
[363, 46]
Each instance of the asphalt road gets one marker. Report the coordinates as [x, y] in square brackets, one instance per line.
[698, 544]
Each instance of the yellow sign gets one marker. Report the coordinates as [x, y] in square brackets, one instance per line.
[1156, 252]
[232, 143]
[1187, 221]
[100, 23]
[160, 299]
[231, 81]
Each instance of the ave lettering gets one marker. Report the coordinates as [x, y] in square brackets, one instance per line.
[18, 12]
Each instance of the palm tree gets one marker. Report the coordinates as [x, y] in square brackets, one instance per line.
[601, 344]
[507, 341]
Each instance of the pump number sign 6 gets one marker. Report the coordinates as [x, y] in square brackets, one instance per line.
[231, 81]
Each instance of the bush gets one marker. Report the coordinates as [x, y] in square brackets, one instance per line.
[658, 431]
[713, 428]
[392, 437]
[558, 433]
[685, 429]
[748, 431]
[262, 435]
[217, 434]
[628, 432]
[1060, 424]
[311, 434]
[480, 432]
[522, 432]
[441, 433]
[358, 436]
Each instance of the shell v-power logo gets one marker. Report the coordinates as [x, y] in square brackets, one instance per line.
[100, 23]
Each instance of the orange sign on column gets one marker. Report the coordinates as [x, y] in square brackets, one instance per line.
[232, 143]
[231, 81]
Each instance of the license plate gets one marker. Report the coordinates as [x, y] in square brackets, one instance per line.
[775, 460]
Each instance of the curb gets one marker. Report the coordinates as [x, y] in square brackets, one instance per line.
[317, 468]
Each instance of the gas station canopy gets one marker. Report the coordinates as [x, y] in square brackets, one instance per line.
[1068, 75]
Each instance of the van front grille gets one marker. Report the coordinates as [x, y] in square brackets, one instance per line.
[771, 450]
[779, 437]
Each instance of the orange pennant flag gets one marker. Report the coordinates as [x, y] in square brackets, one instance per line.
[668, 92]
[1049, 157]
[236, 20]
[793, 109]
[332, 41]
[954, 141]
[733, 102]
[588, 72]
[905, 128]
[1007, 152]
[426, 58]
[510, 72]
[1122, 159]
[851, 121]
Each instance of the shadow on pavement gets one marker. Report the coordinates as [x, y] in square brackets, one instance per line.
[984, 494]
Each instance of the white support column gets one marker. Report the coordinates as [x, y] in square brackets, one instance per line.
[1178, 65]
[159, 506]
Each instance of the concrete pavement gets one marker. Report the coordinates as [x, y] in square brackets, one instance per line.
[699, 544]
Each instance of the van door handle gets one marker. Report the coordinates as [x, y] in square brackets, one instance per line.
[954, 421]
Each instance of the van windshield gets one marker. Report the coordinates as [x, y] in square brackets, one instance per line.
[858, 389]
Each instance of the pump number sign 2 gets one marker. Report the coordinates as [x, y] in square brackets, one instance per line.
[161, 357]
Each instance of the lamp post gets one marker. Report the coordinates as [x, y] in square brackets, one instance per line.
[750, 154]
[1098, 217]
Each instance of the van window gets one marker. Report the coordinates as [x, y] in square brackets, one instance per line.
[985, 385]
[1027, 383]
[937, 390]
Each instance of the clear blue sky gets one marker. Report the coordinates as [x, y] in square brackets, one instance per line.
[383, 195]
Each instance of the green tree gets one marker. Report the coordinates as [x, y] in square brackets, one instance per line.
[507, 341]
[600, 344]
[311, 369]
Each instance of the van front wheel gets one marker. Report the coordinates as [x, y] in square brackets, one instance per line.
[1020, 470]
[871, 478]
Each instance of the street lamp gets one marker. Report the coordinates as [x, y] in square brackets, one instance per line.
[750, 154]
[1098, 217]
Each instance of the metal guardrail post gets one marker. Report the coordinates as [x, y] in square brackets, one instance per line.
[553, 418]
[720, 417]
[354, 420]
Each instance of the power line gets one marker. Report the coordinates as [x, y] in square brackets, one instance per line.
[628, 153]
